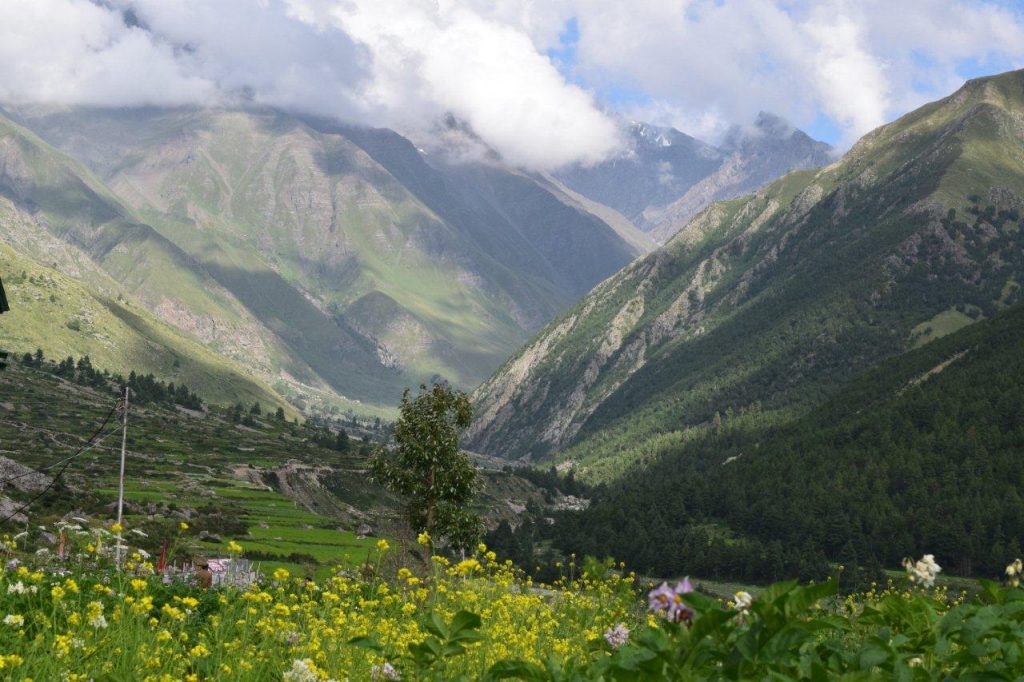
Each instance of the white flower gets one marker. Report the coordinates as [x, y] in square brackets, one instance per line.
[143, 553]
[80, 519]
[22, 534]
[98, 621]
[741, 601]
[915, 662]
[14, 620]
[302, 671]
[923, 571]
[138, 532]
[42, 551]
[384, 672]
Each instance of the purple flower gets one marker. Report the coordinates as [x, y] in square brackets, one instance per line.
[668, 602]
[616, 636]
[13, 564]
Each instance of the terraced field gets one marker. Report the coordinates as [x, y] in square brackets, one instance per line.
[289, 501]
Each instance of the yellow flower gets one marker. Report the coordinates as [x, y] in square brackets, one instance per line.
[382, 545]
[423, 538]
[57, 592]
[183, 526]
[139, 585]
[234, 547]
[466, 567]
[281, 574]
[116, 528]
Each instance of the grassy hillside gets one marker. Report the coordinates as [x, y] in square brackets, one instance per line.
[286, 490]
[365, 268]
[770, 303]
[62, 316]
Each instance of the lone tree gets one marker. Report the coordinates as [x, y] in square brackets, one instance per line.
[426, 467]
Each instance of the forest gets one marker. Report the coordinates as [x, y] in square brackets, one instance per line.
[921, 454]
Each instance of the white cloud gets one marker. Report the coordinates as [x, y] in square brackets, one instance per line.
[703, 64]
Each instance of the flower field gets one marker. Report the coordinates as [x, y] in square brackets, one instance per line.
[479, 618]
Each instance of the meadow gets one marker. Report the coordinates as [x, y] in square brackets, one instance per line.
[420, 615]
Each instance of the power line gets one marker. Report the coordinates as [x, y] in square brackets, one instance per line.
[67, 462]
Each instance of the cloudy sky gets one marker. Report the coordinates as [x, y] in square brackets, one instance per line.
[541, 81]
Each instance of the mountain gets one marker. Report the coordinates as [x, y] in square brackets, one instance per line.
[330, 259]
[666, 176]
[67, 268]
[919, 455]
[769, 303]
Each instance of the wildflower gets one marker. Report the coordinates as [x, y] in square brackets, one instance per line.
[139, 532]
[467, 567]
[617, 636]
[116, 528]
[742, 601]
[183, 526]
[57, 592]
[382, 545]
[16, 588]
[668, 601]
[281, 574]
[923, 571]
[385, 671]
[915, 662]
[303, 670]
[234, 547]
[15, 620]
[423, 538]
[199, 651]
[1014, 572]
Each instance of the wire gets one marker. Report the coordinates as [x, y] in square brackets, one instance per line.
[90, 444]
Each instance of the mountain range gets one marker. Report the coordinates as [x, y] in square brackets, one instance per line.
[329, 264]
[767, 304]
[665, 177]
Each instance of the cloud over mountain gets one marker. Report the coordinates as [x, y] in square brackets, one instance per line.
[522, 74]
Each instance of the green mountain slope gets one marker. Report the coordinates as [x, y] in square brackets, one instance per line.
[62, 316]
[366, 268]
[76, 257]
[921, 454]
[771, 302]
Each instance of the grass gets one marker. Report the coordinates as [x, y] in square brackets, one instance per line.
[943, 324]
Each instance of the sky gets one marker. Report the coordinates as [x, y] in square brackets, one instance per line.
[545, 83]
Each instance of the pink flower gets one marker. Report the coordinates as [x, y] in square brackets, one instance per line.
[668, 602]
[616, 636]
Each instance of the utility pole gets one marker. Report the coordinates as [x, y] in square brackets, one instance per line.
[120, 488]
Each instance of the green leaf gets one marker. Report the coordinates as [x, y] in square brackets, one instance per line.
[464, 620]
[366, 643]
[506, 669]
[435, 625]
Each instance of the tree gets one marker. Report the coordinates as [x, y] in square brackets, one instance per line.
[426, 467]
